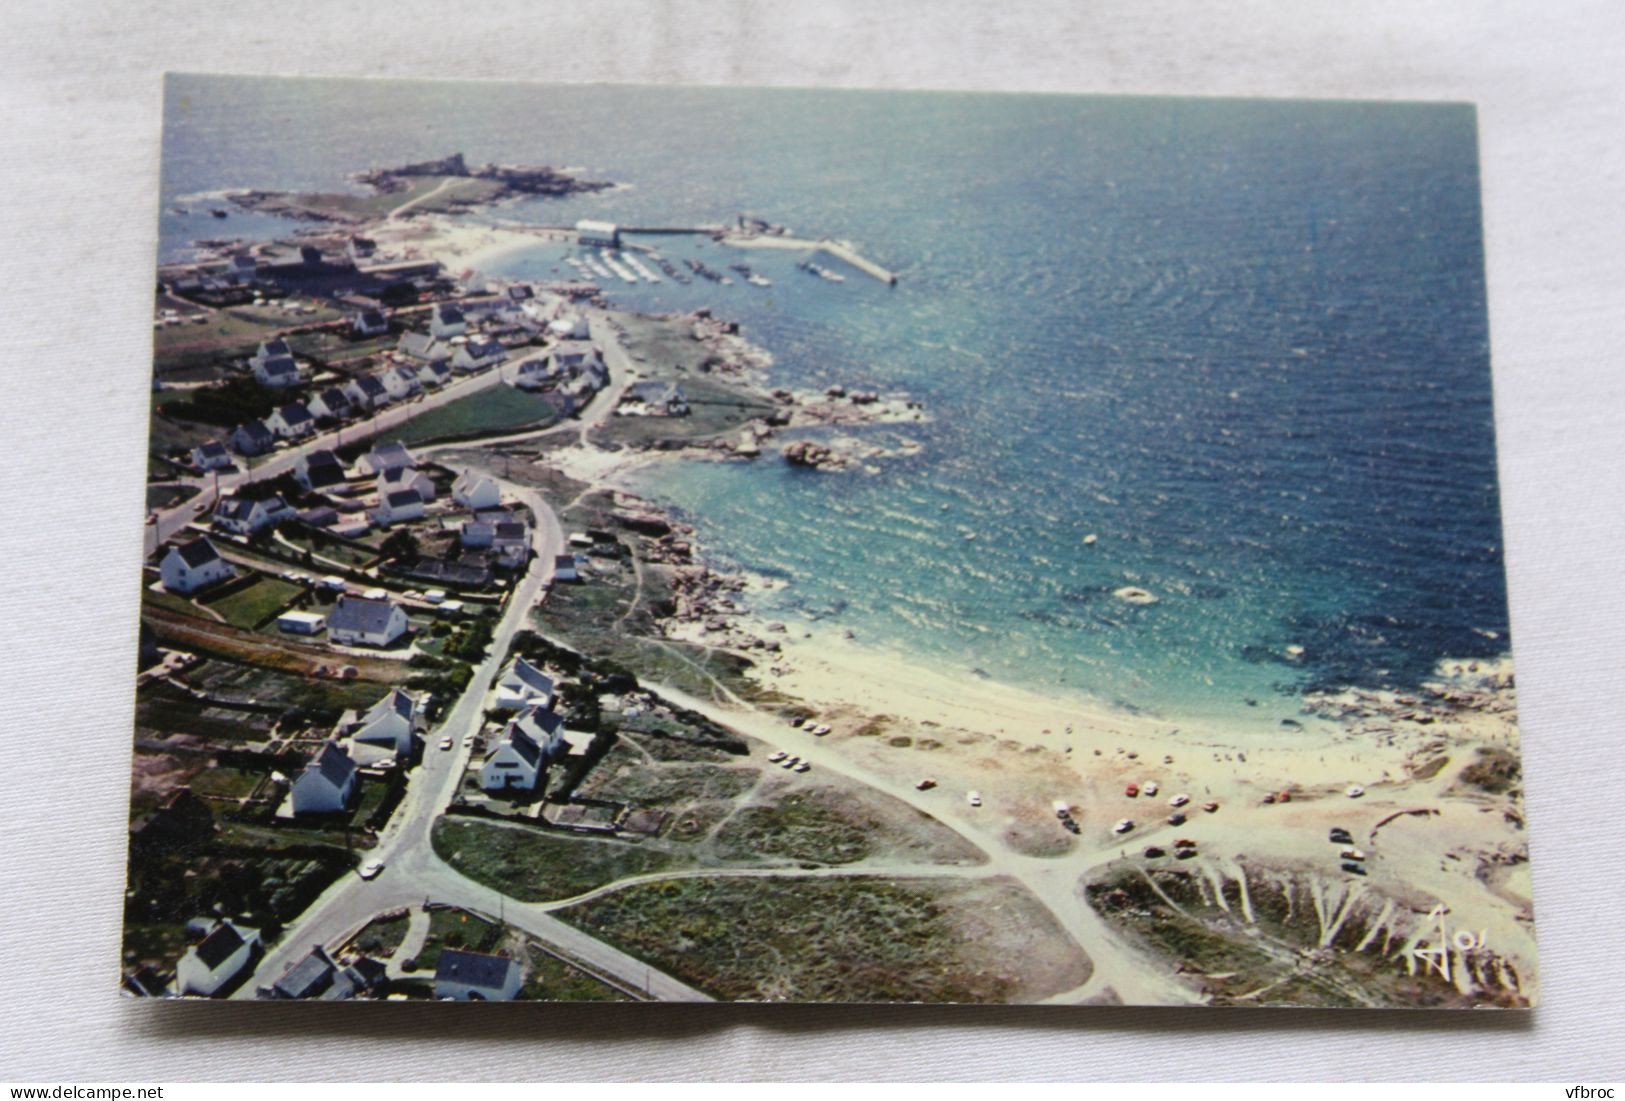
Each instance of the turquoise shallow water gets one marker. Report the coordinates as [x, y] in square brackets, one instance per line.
[1243, 343]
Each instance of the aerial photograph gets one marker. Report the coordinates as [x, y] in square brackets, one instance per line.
[632, 543]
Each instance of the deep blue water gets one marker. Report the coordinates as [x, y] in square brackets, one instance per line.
[1242, 342]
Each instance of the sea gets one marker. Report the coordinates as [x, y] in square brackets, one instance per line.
[1240, 343]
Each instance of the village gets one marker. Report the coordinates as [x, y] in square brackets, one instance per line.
[305, 633]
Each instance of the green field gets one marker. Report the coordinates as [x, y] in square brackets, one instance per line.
[534, 866]
[247, 608]
[493, 410]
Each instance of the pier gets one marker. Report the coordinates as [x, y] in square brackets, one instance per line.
[841, 250]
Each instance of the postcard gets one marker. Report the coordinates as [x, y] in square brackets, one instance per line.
[730, 544]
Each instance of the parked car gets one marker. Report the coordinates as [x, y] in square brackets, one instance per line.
[445, 743]
[1355, 791]
[371, 869]
[1184, 843]
[1210, 807]
[1123, 825]
[1352, 853]
[1284, 797]
[1184, 854]
[1353, 868]
[1177, 818]
[974, 798]
[1179, 800]
[776, 756]
[925, 785]
[800, 766]
[1149, 787]
[1340, 836]
[1132, 791]
[1152, 852]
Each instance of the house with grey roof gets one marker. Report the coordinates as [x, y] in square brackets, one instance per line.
[292, 421]
[366, 393]
[213, 963]
[357, 621]
[278, 373]
[435, 374]
[446, 320]
[384, 457]
[477, 355]
[319, 469]
[424, 348]
[252, 438]
[211, 455]
[564, 568]
[397, 507]
[476, 977]
[405, 477]
[365, 323]
[242, 516]
[328, 783]
[521, 685]
[389, 725]
[528, 743]
[476, 491]
[401, 382]
[511, 541]
[270, 349]
[331, 404]
[193, 565]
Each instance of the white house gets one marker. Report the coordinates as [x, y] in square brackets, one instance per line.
[327, 784]
[319, 469]
[332, 403]
[404, 477]
[241, 516]
[511, 540]
[401, 382]
[385, 456]
[570, 326]
[357, 621]
[447, 321]
[521, 685]
[476, 533]
[217, 959]
[533, 374]
[476, 491]
[270, 349]
[369, 323]
[366, 393]
[396, 507]
[278, 372]
[390, 723]
[476, 977]
[595, 234]
[477, 355]
[252, 438]
[424, 348]
[435, 374]
[516, 762]
[291, 421]
[194, 565]
[573, 355]
[211, 455]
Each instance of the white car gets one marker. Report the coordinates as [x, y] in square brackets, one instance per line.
[1179, 800]
[777, 755]
[468, 741]
[1123, 825]
[1352, 854]
[808, 724]
[1149, 787]
[801, 766]
[445, 743]
[790, 762]
[1355, 792]
[821, 729]
[974, 798]
[371, 869]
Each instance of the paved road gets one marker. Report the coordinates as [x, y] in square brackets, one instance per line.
[413, 873]
[171, 520]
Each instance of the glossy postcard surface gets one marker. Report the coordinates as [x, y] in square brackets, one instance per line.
[634, 543]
